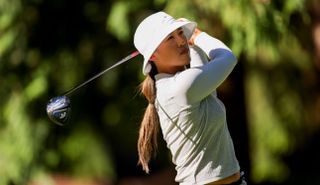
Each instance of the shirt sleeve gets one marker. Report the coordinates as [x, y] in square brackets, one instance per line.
[199, 81]
[198, 56]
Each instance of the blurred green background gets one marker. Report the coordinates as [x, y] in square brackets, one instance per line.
[50, 46]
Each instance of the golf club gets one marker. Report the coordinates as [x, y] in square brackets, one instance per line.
[59, 107]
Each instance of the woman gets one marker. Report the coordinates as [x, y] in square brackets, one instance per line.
[183, 68]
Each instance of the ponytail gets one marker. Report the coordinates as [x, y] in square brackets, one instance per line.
[148, 133]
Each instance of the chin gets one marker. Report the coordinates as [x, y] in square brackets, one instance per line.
[187, 59]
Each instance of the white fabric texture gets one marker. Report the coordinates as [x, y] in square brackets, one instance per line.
[193, 119]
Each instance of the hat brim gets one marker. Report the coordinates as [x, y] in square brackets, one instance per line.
[188, 29]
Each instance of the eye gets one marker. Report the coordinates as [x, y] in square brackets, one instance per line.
[169, 37]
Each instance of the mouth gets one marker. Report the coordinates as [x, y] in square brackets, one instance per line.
[184, 50]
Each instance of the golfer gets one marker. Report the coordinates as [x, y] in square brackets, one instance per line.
[184, 67]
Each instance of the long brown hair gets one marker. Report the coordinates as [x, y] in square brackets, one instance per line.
[148, 133]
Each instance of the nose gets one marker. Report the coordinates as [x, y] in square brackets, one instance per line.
[180, 39]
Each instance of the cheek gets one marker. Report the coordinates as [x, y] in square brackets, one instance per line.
[171, 56]
[164, 52]
[167, 52]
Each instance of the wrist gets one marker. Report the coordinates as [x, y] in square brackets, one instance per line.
[195, 34]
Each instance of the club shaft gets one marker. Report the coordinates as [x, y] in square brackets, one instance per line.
[132, 55]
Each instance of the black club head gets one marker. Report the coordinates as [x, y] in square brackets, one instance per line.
[59, 109]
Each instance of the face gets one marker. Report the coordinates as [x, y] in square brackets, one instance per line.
[172, 55]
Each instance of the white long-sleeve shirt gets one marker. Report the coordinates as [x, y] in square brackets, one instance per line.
[193, 119]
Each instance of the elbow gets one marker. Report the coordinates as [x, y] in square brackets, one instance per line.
[225, 55]
[229, 56]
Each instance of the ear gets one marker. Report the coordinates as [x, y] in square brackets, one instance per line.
[153, 58]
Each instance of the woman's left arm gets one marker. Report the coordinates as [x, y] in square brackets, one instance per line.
[199, 82]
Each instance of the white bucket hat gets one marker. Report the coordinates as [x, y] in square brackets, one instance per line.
[153, 29]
